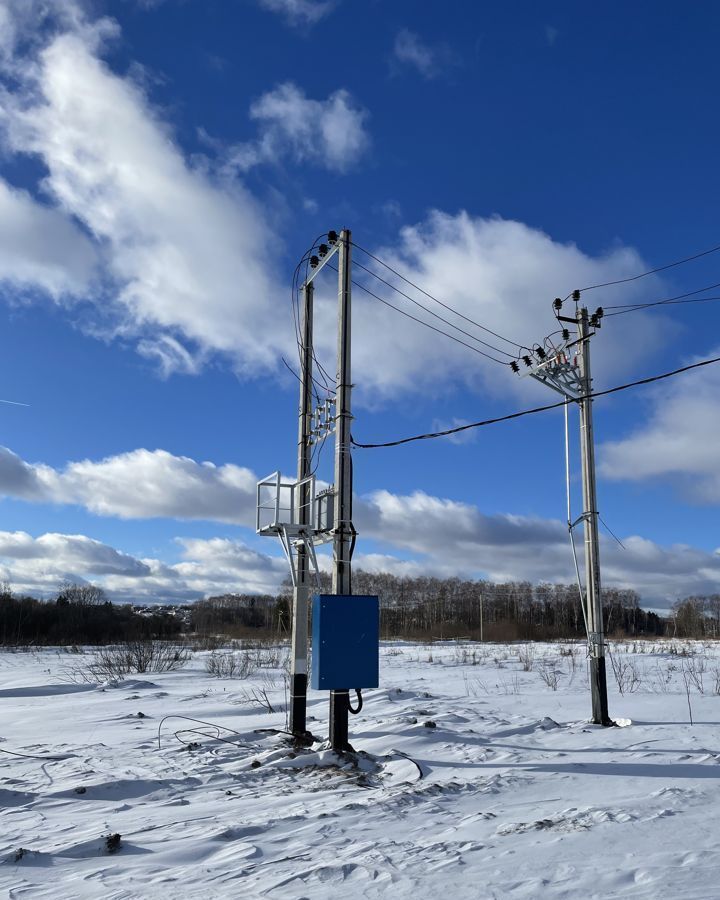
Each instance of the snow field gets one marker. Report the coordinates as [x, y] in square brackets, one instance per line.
[477, 775]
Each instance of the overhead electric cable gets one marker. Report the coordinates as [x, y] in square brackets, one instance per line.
[402, 312]
[435, 299]
[436, 315]
[678, 262]
[537, 409]
[677, 298]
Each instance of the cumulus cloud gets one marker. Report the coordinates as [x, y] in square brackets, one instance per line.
[453, 538]
[140, 484]
[443, 537]
[300, 12]
[41, 565]
[181, 253]
[430, 61]
[679, 439]
[330, 133]
[497, 272]
[40, 246]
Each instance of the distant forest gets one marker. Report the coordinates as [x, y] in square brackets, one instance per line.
[422, 608]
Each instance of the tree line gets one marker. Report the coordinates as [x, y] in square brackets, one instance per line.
[80, 614]
[420, 608]
[433, 608]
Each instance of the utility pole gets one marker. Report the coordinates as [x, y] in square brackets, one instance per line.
[571, 378]
[302, 587]
[598, 680]
[344, 531]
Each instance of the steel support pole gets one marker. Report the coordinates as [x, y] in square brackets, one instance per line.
[302, 588]
[593, 601]
[343, 535]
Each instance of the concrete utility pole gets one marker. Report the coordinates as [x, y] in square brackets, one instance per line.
[302, 589]
[571, 378]
[343, 536]
[598, 681]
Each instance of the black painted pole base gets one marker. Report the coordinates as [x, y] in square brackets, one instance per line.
[598, 688]
[339, 709]
[298, 705]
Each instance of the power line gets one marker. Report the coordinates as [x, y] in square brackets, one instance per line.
[667, 301]
[402, 312]
[678, 262]
[436, 315]
[435, 299]
[537, 409]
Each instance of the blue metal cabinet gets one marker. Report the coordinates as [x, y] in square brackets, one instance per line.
[345, 642]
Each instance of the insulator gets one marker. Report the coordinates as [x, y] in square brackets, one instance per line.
[514, 366]
[593, 321]
[540, 353]
[599, 312]
[527, 361]
[314, 261]
[332, 237]
[576, 296]
[566, 334]
[557, 303]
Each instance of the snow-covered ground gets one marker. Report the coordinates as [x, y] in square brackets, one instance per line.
[510, 794]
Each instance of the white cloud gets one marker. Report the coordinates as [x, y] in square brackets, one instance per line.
[679, 440]
[41, 565]
[300, 12]
[185, 268]
[430, 61]
[454, 538]
[140, 484]
[330, 133]
[40, 246]
[500, 273]
[185, 255]
[443, 537]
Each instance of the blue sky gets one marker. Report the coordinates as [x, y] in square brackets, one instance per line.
[164, 165]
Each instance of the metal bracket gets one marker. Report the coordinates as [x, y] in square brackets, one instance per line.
[292, 538]
[328, 256]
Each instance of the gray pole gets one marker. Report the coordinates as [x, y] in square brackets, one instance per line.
[343, 536]
[598, 682]
[301, 591]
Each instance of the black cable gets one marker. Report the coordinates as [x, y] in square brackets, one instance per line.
[430, 296]
[671, 265]
[537, 409]
[197, 722]
[402, 312]
[356, 709]
[437, 316]
[611, 532]
[669, 301]
[34, 756]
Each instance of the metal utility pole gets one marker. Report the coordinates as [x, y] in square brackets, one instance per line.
[343, 536]
[596, 636]
[302, 587]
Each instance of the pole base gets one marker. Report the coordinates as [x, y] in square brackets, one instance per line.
[598, 688]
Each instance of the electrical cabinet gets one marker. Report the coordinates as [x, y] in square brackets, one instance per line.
[345, 642]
